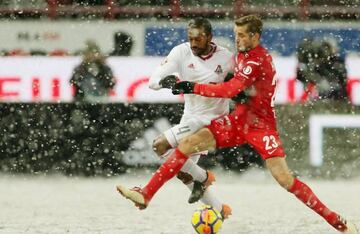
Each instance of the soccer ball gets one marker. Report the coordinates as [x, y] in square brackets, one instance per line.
[206, 220]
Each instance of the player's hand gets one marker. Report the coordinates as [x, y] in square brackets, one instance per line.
[183, 87]
[168, 82]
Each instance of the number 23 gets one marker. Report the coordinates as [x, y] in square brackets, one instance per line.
[270, 142]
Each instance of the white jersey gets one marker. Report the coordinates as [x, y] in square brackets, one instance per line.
[189, 67]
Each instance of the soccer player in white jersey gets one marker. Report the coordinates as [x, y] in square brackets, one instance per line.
[198, 60]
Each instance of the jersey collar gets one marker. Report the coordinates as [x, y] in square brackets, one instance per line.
[212, 51]
[252, 51]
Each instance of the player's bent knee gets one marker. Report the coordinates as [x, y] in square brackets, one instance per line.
[160, 146]
[156, 147]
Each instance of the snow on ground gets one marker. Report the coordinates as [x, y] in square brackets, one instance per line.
[58, 204]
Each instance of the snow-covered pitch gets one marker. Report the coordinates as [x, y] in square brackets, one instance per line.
[58, 204]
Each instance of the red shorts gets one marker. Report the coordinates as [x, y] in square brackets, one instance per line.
[230, 131]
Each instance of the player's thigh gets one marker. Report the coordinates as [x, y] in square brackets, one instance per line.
[182, 130]
[161, 145]
[226, 132]
[200, 141]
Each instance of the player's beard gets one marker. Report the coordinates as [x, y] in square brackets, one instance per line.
[198, 51]
[243, 48]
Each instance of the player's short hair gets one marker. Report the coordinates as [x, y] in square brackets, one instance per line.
[253, 22]
[203, 23]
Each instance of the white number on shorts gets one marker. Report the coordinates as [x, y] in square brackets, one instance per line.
[183, 130]
[270, 142]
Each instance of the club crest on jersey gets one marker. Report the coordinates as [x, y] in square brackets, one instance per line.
[218, 69]
[247, 70]
[191, 65]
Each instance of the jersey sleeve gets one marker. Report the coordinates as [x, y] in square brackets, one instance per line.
[242, 79]
[169, 66]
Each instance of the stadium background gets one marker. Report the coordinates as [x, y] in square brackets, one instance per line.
[44, 132]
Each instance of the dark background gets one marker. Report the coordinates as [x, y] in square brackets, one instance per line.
[90, 139]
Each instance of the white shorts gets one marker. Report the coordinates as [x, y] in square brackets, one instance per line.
[185, 128]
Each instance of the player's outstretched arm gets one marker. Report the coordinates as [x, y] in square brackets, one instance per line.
[185, 87]
[227, 89]
[169, 66]
[161, 73]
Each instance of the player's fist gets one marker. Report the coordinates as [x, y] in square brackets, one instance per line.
[168, 82]
[183, 87]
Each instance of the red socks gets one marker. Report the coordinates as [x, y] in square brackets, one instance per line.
[306, 195]
[167, 170]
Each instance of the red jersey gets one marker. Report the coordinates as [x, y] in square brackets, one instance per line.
[254, 72]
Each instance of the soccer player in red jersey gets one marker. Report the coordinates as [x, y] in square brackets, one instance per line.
[255, 126]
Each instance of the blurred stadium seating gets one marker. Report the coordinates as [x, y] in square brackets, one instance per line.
[110, 9]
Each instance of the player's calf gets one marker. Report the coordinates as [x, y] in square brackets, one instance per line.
[308, 197]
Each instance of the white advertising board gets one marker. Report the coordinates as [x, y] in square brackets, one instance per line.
[46, 79]
[68, 35]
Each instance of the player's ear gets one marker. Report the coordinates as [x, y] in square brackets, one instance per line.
[210, 36]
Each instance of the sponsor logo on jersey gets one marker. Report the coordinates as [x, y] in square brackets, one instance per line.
[218, 69]
[191, 66]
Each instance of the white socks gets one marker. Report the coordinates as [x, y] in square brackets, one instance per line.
[208, 198]
[198, 174]
[193, 169]
[191, 166]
